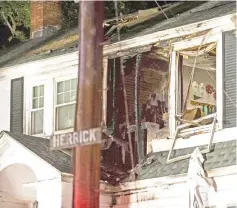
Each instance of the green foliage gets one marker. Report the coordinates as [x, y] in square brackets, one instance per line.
[15, 15]
[70, 11]
[124, 7]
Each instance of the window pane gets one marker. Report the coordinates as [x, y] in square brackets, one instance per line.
[35, 91]
[42, 90]
[67, 86]
[67, 97]
[65, 117]
[73, 84]
[35, 104]
[60, 98]
[60, 87]
[41, 102]
[73, 96]
[37, 122]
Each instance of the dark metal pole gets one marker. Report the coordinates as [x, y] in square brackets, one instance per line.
[89, 104]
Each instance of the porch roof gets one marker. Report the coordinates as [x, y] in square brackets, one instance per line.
[154, 165]
[63, 162]
[40, 146]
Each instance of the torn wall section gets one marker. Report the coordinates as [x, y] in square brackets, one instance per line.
[152, 97]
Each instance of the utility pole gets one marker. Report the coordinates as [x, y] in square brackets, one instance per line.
[86, 184]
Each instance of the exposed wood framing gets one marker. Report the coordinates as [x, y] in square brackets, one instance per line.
[139, 138]
[104, 94]
[169, 34]
[144, 125]
[213, 36]
[126, 110]
[131, 52]
[106, 143]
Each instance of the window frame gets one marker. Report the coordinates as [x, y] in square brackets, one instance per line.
[173, 91]
[56, 80]
[31, 85]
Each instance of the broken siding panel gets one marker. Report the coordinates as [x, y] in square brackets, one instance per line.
[229, 79]
[172, 195]
[17, 99]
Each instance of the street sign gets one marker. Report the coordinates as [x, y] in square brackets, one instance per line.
[73, 139]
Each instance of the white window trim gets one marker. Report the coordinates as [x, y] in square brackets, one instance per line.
[216, 37]
[172, 93]
[34, 83]
[56, 80]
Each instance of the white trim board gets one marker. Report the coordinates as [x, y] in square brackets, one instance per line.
[160, 145]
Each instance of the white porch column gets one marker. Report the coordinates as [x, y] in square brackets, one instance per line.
[49, 193]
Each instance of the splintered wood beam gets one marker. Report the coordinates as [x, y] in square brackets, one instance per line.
[156, 56]
[138, 137]
[106, 142]
[130, 52]
[144, 125]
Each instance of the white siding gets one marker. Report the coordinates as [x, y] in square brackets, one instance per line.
[176, 195]
[105, 200]
[5, 86]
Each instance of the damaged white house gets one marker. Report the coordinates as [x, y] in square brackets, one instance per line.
[180, 82]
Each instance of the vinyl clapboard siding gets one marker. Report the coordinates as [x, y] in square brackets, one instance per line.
[16, 111]
[229, 79]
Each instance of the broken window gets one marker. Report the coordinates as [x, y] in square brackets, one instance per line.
[196, 94]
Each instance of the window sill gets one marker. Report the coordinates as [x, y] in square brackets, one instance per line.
[63, 131]
[42, 135]
[220, 135]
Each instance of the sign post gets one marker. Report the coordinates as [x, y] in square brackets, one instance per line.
[86, 183]
[86, 138]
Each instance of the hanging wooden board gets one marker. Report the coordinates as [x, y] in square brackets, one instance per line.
[73, 139]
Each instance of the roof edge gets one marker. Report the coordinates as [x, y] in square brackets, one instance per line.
[6, 132]
[173, 179]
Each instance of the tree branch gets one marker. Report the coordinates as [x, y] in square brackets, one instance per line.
[7, 23]
[13, 23]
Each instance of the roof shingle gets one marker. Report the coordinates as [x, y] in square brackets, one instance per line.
[154, 165]
[40, 146]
